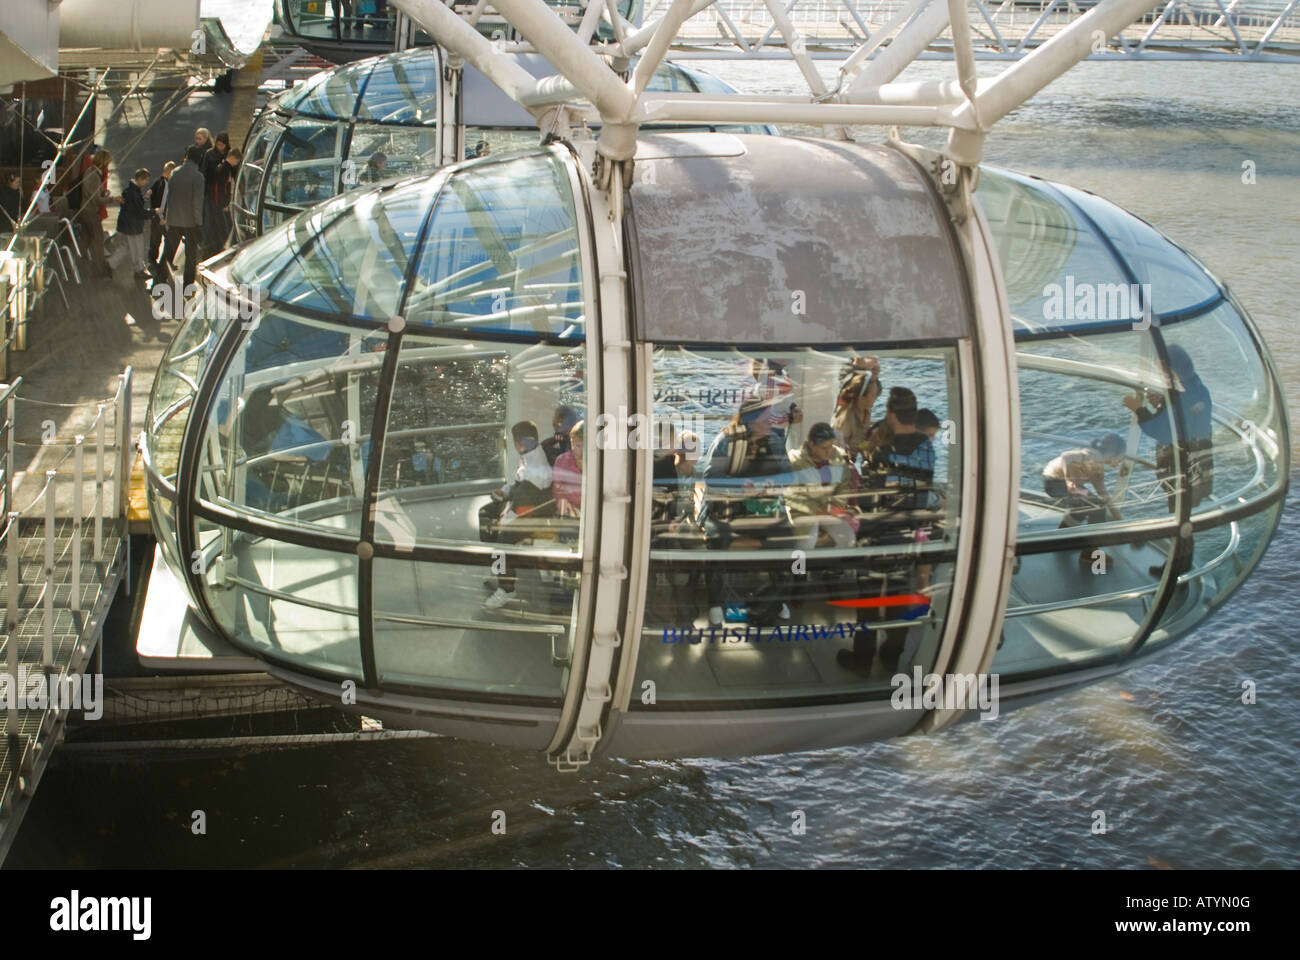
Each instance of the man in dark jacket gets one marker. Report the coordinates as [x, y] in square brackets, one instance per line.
[183, 214]
[216, 172]
[898, 478]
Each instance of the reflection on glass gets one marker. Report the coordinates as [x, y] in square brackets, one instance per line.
[1230, 408]
[501, 252]
[478, 447]
[1058, 271]
[306, 166]
[1086, 457]
[841, 469]
[848, 626]
[803, 450]
[289, 432]
[1176, 281]
[288, 601]
[382, 153]
[430, 629]
[174, 387]
[1068, 609]
[357, 265]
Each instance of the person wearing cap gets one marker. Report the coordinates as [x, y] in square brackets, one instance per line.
[1197, 454]
[819, 499]
[562, 422]
[1066, 479]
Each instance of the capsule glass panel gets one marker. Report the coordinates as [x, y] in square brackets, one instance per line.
[283, 600]
[501, 252]
[1222, 558]
[1171, 280]
[306, 165]
[1086, 459]
[1059, 271]
[357, 264]
[1231, 412]
[288, 437]
[475, 426]
[804, 520]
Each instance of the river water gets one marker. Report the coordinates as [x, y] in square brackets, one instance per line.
[1187, 776]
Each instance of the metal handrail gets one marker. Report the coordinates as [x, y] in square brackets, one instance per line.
[1025, 610]
[392, 618]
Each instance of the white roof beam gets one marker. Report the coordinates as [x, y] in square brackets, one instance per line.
[1022, 80]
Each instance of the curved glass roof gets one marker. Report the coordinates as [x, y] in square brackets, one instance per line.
[402, 88]
[494, 244]
[396, 88]
[1072, 259]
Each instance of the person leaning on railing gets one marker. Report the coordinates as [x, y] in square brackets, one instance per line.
[1197, 450]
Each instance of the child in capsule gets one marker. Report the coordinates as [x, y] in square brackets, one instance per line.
[528, 494]
[568, 474]
[1066, 479]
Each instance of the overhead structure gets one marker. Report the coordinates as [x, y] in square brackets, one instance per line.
[1242, 31]
[597, 86]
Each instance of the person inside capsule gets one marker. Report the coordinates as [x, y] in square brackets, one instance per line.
[375, 167]
[567, 480]
[1197, 452]
[561, 424]
[529, 495]
[672, 510]
[773, 387]
[1066, 477]
[745, 508]
[852, 419]
[820, 497]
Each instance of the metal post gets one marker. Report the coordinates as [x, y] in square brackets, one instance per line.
[122, 436]
[78, 474]
[99, 485]
[15, 584]
[47, 639]
[11, 626]
[9, 453]
[124, 469]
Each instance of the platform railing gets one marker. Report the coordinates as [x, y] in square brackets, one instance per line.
[108, 504]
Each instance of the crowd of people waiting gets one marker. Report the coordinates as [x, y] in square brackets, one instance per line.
[186, 205]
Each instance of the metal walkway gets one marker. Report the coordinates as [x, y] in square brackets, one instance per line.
[1235, 30]
[63, 555]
